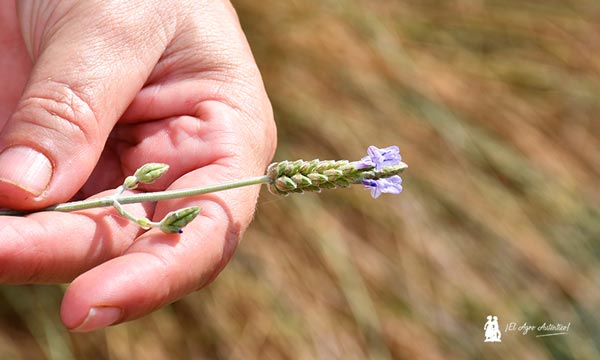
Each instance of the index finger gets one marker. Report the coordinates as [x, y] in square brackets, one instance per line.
[54, 247]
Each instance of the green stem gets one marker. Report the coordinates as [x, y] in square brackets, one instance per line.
[145, 197]
[143, 222]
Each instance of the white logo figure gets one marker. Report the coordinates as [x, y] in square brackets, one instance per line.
[492, 330]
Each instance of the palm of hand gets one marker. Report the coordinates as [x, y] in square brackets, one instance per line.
[196, 104]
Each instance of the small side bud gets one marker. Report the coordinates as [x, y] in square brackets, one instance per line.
[150, 172]
[130, 183]
[174, 221]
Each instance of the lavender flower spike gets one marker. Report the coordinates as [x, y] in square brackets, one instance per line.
[378, 171]
[380, 158]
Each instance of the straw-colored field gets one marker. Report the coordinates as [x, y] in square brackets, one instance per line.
[494, 105]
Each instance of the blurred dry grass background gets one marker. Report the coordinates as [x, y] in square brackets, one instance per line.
[494, 105]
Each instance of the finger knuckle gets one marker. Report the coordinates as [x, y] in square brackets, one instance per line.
[61, 110]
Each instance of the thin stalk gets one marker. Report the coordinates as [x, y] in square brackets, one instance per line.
[145, 197]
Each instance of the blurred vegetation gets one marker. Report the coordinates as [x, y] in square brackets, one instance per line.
[494, 105]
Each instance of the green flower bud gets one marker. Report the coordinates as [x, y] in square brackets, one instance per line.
[325, 165]
[150, 172]
[174, 221]
[333, 173]
[281, 167]
[318, 178]
[309, 166]
[130, 183]
[301, 180]
[285, 183]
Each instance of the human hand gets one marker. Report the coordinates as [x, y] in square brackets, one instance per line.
[93, 90]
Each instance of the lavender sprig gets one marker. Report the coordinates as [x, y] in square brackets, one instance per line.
[378, 172]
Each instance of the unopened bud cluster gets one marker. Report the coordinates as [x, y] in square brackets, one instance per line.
[147, 174]
[174, 221]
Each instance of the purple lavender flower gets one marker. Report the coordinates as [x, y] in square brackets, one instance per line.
[391, 185]
[380, 158]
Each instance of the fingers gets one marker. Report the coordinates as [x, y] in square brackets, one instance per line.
[85, 74]
[219, 122]
[121, 290]
[161, 268]
[50, 247]
[70, 116]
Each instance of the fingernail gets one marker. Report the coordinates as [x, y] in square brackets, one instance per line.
[26, 168]
[99, 317]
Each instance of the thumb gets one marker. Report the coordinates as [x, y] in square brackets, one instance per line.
[84, 76]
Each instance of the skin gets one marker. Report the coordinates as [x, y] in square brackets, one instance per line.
[100, 88]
